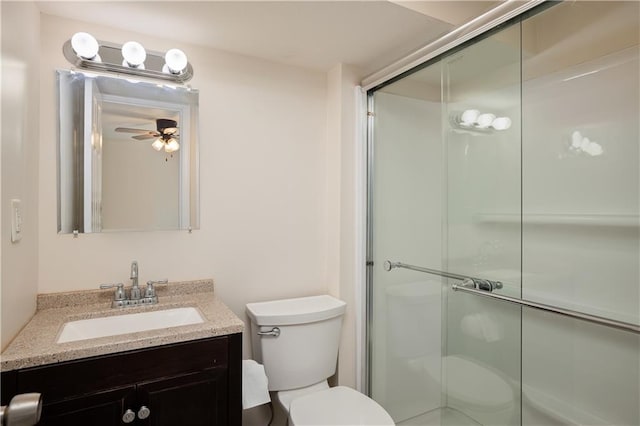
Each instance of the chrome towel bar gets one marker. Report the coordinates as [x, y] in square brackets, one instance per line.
[470, 285]
[626, 326]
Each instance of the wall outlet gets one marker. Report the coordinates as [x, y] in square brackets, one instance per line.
[16, 221]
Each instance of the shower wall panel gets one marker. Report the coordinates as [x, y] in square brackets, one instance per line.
[581, 198]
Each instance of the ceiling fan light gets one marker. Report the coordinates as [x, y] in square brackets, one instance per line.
[175, 61]
[172, 145]
[85, 45]
[134, 54]
[158, 144]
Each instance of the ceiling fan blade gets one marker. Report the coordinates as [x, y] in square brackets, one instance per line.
[144, 137]
[129, 130]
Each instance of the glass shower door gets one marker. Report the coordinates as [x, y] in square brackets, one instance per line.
[482, 138]
[406, 195]
[446, 163]
[513, 159]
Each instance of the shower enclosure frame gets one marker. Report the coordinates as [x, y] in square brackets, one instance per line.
[462, 36]
[421, 58]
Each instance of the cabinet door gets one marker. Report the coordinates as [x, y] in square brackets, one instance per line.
[99, 409]
[198, 399]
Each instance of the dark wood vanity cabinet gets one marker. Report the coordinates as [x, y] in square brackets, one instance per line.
[191, 383]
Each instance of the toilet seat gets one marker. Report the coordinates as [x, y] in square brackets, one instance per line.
[337, 406]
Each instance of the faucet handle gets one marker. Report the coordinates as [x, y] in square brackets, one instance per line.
[151, 291]
[134, 269]
[119, 294]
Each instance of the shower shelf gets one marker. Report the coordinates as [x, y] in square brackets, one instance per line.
[625, 221]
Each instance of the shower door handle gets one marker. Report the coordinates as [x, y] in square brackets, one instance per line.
[468, 282]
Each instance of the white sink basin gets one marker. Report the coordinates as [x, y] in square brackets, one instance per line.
[128, 323]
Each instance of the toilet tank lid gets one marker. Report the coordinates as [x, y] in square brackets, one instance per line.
[300, 310]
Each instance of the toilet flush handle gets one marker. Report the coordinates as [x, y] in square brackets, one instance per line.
[275, 332]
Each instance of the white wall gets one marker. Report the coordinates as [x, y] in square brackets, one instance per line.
[140, 187]
[343, 188]
[20, 114]
[263, 189]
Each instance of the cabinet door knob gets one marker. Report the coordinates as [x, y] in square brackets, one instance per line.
[128, 416]
[143, 413]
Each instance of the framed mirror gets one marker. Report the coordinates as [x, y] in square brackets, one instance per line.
[127, 154]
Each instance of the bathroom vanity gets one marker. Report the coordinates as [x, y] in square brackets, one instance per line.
[188, 375]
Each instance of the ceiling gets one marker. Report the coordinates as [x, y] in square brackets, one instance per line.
[309, 34]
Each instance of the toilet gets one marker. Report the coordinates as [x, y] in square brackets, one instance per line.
[297, 342]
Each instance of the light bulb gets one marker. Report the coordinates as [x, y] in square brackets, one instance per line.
[158, 144]
[594, 149]
[172, 145]
[576, 139]
[501, 123]
[469, 117]
[485, 120]
[85, 45]
[176, 61]
[133, 54]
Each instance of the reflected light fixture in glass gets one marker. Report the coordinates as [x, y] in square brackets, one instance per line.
[469, 117]
[158, 144]
[501, 123]
[485, 120]
[172, 145]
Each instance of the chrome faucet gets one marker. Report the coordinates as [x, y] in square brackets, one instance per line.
[136, 297]
[135, 289]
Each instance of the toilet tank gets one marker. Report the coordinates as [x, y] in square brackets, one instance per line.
[306, 350]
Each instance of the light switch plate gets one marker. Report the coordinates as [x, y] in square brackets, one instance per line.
[16, 221]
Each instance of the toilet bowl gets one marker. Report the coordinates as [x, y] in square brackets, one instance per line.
[339, 405]
[297, 342]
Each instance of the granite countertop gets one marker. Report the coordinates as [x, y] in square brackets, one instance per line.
[36, 343]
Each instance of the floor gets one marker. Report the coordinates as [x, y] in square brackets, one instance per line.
[440, 417]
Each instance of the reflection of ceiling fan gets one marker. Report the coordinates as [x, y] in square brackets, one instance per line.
[165, 137]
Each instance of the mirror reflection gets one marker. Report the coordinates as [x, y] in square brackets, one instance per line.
[127, 155]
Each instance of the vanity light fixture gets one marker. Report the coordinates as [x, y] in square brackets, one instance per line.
[84, 51]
